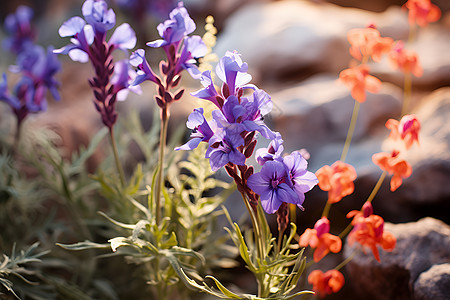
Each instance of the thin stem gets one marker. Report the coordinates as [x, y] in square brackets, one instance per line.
[351, 130]
[377, 187]
[258, 242]
[346, 231]
[326, 209]
[412, 33]
[159, 178]
[255, 226]
[116, 156]
[406, 93]
[369, 199]
[346, 261]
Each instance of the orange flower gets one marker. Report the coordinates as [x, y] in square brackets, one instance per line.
[337, 180]
[326, 283]
[405, 60]
[367, 42]
[422, 12]
[368, 230]
[407, 129]
[358, 80]
[321, 239]
[392, 164]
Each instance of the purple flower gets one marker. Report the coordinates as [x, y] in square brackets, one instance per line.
[232, 71]
[193, 47]
[97, 14]
[145, 72]
[121, 79]
[83, 37]
[256, 106]
[18, 26]
[272, 184]
[175, 28]
[41, 66]
[301, 179]
[123, 37]
[99, 20]
[223, 149]
[272, 152]
[201, 130]
[5, 94]
[209, 91]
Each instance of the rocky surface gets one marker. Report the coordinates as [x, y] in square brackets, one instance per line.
[433, 284]
[421, 246]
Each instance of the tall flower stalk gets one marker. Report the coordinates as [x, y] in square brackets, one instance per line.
[111, 80]
[181, 51]
[231, 137]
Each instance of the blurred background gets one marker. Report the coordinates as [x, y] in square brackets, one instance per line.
[295, 51]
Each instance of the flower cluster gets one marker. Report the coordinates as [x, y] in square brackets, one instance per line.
[88, 42]
[368, 230]
[36, 65]
[182, 51]
[368, 43]
[231, 138]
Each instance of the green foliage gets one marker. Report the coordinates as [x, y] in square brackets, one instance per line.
[19, 266]
[277, 274]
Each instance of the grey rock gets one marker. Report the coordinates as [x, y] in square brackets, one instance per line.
[286, 39]
[433, 284]
[420, 245]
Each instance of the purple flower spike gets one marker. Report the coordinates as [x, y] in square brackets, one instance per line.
[99, 16]
[232, 70]
[145, 72]
[175, 28]
[201, 130]
[18, 25]
[301, 179]
[271, 183]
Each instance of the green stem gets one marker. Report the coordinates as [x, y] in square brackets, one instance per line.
[406, 93]
[369, 199]
[258, 238]
[116, 156]
[258, 242]
[159, 178]
[351, 130]
[346, 231]
[346, 261]
[412, 33]
[377, 187]
[326, 209]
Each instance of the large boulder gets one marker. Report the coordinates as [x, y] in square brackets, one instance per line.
[401, 274]
[288, 39]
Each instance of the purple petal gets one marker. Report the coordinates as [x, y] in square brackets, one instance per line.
[123, 37]
[78, 55]
[71, 27]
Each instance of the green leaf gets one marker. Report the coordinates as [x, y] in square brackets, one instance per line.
[83, 246]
